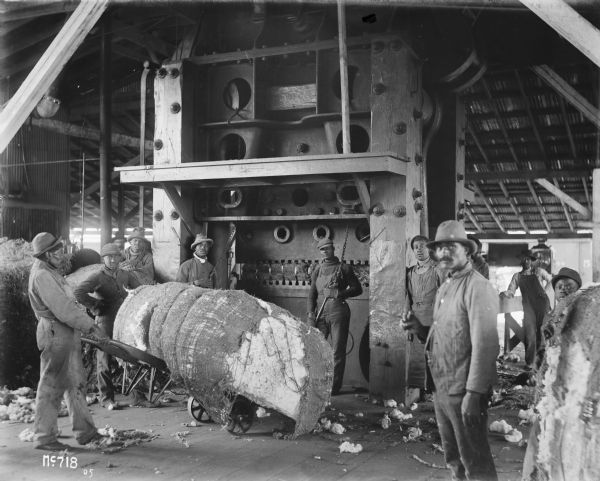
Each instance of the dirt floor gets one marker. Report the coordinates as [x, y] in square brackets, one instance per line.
[177, 449]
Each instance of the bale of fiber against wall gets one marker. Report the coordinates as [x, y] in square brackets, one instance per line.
[227, 342]
[569, 441]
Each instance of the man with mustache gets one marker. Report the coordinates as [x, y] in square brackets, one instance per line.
[198, 270]
[462, 346]
[108, 289]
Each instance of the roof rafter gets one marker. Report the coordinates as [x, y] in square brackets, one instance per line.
[489, 207]
[536, 199]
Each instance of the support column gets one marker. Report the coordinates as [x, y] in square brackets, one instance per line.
[446, 165]
[105, 133]
[395, 97]
[596, 227]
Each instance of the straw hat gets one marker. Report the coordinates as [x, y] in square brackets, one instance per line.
[201, 238]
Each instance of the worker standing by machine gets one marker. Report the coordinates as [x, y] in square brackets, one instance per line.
[60, 322]
[198, 270]
[333, 282]
[138, 257]
[103, 293]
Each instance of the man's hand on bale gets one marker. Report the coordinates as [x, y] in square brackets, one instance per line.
[98, 335]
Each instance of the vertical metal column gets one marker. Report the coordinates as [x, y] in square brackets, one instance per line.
[143, 135]
[105, 132]
[596, 226]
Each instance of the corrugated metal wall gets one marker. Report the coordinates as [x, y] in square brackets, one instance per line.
[27, 175]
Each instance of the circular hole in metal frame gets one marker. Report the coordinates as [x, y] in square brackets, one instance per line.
[300, 196]
[230, 197]
[282, 234]
[232, 147]
[359, 140]
[321, 232]
[237, 94]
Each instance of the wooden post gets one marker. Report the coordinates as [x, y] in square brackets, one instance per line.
[395, 95]
[105, 133]
[596, 227]
[345, 101]
[143, 134]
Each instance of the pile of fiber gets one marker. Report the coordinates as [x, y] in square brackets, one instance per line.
[569, 441]
[219, 343]
[19, 356]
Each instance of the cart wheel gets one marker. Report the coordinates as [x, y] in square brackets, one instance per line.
[197, 411]
[241, 416]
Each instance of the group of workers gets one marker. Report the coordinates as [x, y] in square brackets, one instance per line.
[451, 309]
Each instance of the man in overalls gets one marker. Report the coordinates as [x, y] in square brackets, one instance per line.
[532, 282]
[60, 324]
[422, 282]
[333, 282]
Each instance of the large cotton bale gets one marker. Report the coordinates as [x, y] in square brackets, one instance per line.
[227, 342]
[132, 323]
[569, 441]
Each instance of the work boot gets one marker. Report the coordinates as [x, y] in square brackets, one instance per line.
[53, 446]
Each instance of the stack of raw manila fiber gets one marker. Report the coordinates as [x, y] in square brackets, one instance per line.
[569, 441]
[219, 343]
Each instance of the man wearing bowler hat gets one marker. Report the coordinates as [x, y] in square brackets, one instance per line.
[333, 282]
[532, 282]
[462, 346]
[198, 270]
[138, 257]
[60, 322]
[108, 289]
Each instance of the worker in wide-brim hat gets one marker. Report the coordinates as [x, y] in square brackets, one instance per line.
[462, 346]
[532, 280]
[479, 263]
[60, 320]
[103, 293]
[332, 282]
[138, 257]
[198, 270]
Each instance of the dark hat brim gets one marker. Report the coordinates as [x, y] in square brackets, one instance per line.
[467, 242]
[52, 247]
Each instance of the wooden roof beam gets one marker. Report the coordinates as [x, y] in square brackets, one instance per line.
[489, 207]
[527, 174]
[25, 41]
[563, 111]
[569, 24]
[30, 10]
[587, 193]
[139, 37]
[534, 125]
[564, 198]
[565, 90]
[48, 68]
[472, 218]
[513, 206]
[536, 199]
[565, 208]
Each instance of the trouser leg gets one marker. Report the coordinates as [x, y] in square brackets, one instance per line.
[83, 423]
[339, 318]
[449, 443]
[49, 394]
[529, 334]
[103, 371]
[472, 441]
[416, 366]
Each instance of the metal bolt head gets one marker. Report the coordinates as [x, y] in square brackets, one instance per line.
[399, 211]
[378, 47]
[416, 193]
[175, 72]
[418, 159]
[158, 144]
[400, 128]
[158, 216]
[378, 210]
[302, 148]
[175, 108]
[174, 215]
[162, 72]
[378, 88]
[459, 177]
[417, 114]
[418, 206]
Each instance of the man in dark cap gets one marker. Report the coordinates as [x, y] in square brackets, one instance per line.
[422, 282]
[462, 346]
[334, 282]
[532, 282]
[479, 263]
[103, 293]
[60, 322]
[138, 257]
[198, 270]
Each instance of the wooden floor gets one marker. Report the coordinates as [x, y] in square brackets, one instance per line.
[215, 454]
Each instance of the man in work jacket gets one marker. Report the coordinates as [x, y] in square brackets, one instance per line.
[422, 282]
[532, 281]
[108, 289]
[462, 346]
[198, 270]
[138, 257]
[60, 322]
[334, 282]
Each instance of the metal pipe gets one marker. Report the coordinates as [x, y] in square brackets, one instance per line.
[143, 134]
[105, 133]
[345, 99]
